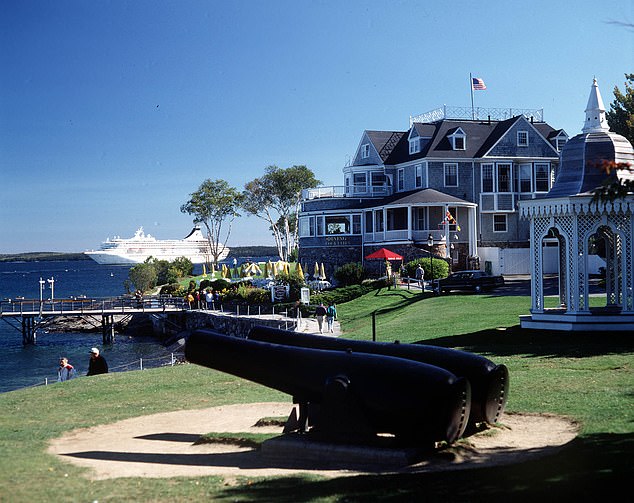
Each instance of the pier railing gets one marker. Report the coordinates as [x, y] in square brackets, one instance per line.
[108, 305]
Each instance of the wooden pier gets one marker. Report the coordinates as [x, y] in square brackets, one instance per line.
[29, 315]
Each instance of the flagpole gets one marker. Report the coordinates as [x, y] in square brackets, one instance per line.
[471, 87]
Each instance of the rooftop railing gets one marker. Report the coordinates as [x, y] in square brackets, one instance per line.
[476, 113]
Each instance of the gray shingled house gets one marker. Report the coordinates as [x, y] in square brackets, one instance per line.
[448, 184]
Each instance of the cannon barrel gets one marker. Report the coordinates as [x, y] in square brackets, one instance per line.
[353, 391]
[489, 382]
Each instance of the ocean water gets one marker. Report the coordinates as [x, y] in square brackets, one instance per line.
[24, 366]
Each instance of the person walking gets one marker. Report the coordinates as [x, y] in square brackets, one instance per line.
[320, 312]
[420, 275]
[65, 371]
[97, 363]
[331, 316]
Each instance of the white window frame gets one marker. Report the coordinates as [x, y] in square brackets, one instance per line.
[400, 180]
[526, 168]
[497, 177]
[446, 166]
[459, 133]
[547, 178]
[414, 145]
[522, 138]
[418, 176]
[490, 166]
[365, 151]
[506, 222]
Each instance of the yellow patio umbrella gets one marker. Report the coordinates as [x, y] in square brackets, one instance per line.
[322, 272]
[212, 271]
[299, 271]
[286, 268]
[204, 271]
[316, 271]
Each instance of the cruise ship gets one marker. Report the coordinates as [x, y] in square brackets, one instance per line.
[134, 250]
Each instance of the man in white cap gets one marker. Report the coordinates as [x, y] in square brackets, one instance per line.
[97, 363]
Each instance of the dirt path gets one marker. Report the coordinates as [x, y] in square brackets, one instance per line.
[162, 445]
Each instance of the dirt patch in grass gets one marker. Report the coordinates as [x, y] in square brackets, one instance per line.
[168, 445]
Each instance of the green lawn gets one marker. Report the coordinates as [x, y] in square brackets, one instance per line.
[587, 377]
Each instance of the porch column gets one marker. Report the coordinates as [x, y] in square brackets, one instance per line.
[410, 210]
[473, 231]
[447, 237]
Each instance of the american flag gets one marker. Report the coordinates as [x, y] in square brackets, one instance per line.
[478, 84]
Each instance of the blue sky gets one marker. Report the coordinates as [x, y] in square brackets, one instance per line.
[113, 112]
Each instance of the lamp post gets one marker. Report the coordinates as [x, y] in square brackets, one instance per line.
[52, 283]
[42, 283]
[430, 243]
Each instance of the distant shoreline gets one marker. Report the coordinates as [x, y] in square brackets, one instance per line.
[238, 251]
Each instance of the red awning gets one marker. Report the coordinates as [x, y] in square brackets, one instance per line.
[384, 254]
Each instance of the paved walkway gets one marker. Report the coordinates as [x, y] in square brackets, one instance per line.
[309, 326]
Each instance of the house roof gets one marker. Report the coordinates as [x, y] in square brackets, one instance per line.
[419, 196]
[385, 141]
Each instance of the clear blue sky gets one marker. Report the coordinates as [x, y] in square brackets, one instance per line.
[113, 112]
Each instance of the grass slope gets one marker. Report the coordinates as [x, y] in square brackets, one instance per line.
[587, 377]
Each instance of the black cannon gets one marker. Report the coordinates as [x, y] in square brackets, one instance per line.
[345, 395]
[489, 382]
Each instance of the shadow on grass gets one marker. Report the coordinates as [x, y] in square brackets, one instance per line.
[548, 343]
[588, 469]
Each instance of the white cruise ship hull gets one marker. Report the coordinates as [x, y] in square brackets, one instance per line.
[141, 247]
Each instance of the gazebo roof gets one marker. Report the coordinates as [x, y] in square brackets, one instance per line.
[582, 158]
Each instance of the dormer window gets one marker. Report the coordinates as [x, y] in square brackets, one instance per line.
[365, 150]
[414, 145]
[522, 138]
[458, 140]
[560, 141]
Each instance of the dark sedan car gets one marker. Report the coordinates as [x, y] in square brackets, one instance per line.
[476, 281]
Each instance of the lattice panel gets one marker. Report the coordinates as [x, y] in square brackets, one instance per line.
[540, 228]
[566, 224]
[623, 223]
[584, 227]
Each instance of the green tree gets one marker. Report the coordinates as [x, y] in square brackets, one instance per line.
[275, 198]
[214, 204]
[621, 114]
[143, 276]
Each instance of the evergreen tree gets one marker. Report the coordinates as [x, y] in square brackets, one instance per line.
[621, 114]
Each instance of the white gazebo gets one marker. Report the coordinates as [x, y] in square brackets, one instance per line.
[588, 234]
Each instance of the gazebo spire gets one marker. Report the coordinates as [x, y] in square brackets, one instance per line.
[595, 112]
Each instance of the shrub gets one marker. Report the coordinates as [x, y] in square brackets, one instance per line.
[350, 274]
[440, 268]
[220, 284]
[294, 282]
[173, 289]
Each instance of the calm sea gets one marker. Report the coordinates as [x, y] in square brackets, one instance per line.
[24, 366]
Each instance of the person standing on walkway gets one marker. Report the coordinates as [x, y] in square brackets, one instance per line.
[320, 312]
[420, 275]
[331, 316]
[65, 371]
[97, 363]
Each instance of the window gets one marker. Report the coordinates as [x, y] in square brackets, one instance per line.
[401, 179]
[541, 177]
[356, 224]
[458, 139]
[368, 222]
[307, 226]
[524, 178]
[419, 219]
[365, 150]
[338, 225]
[504, 178]
[560, 141]
[522, 138]
[419, 175]
[359, 180]
[378, 221]
[451, 175]
[320, 226]
[378, 179]
[414, 145]
[499, 223]
[487, 178]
